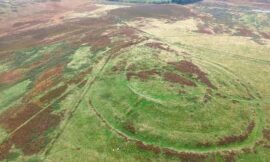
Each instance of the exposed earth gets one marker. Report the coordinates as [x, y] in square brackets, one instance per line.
[117, 81]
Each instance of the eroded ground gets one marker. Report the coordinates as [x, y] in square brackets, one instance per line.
[88, 81]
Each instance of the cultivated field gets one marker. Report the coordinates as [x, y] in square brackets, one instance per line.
[109, 81]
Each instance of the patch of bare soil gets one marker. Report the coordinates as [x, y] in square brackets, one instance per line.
[174, 78]
[237, 138]
[190, 68]
[142, 75]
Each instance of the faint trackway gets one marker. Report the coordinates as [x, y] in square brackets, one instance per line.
[101, 65]
[86, 88]
[146, 97]
[39, 112]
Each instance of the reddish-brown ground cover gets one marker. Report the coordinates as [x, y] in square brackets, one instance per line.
[52, 72]
[190, 68]
[174, 78]
[265, 35]
[266, 134]
[32, 137]
[245, 32]
[143, 75]
[154, 11]
[50, 96]
[237, 138]
[12, 76]
[129, 126]
[14, 117]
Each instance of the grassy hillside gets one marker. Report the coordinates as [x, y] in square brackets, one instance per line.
[81, 81]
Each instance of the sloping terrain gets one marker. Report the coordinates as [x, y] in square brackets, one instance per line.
[107, 81]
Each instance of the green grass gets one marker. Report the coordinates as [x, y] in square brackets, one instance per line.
[158, 110]
[13, 93]
[160, 115]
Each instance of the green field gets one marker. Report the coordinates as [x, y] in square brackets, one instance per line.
[119, 81]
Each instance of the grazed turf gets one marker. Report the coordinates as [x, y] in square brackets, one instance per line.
[107, 82]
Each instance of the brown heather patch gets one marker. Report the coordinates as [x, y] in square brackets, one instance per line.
[40, 88]
[50, 96]
[146, 147]
[27, 23]
[174, 78]
[53, 72]
[190, 68]
[125, 32]
[12, 76]
[220, 30]
[4, 149]
[32, 137]
[143, 75]
[185, 156]
[6, 56]
[245, 32]
[237, 138]
[165, 11]
[229, 156]
[265, 35]
[266, 134]
[120, 66]
[14, 117]
[97, 42]
[129, 126]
